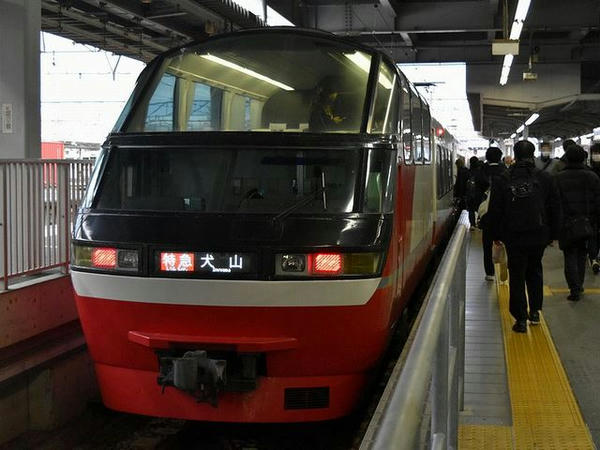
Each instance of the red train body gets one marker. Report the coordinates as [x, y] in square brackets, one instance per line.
[253, 270]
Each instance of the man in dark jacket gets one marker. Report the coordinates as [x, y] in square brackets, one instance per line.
[579, 190]
[460, 185]
[524, 213]
[491, 171]
[475, 192]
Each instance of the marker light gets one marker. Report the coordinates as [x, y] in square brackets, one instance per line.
[439, 131]
[327, 263]
[104, 257]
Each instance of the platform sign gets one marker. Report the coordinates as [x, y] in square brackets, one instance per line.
[6, 116]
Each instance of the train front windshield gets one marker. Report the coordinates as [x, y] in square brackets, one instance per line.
[245, 181]
[262, 83]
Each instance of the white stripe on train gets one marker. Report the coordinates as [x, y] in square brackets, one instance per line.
[171, 291]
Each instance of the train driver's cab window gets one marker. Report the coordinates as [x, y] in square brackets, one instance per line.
[259, 83]
[405, 122]
[416, 125]
[385, 114]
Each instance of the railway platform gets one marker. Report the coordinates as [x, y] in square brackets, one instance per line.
[538, 390]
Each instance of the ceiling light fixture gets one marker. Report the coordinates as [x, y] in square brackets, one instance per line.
[519, 20]
[532, 119]
[521, 128]
[515, 34]
[508, 60]
[252, 73]
[514, 135]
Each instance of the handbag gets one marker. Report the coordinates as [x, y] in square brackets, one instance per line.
[576, 229]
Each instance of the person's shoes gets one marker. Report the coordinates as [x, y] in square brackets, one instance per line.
[534, 318]
[520, 326]
[595, 266]
[490, 277]
[574, 296]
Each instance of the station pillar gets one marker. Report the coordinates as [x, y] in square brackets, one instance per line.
[20, 24]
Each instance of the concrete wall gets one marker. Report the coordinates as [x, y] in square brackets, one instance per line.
[20, 77]
[48, 398]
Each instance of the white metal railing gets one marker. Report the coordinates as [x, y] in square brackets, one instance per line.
[38, 203]
[420, 405]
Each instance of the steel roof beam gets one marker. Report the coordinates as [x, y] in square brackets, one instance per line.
[94, 22]
[130, 11]
[103, 41]
[196, 10]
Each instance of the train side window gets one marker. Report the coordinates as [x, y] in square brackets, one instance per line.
[159, 116]
[426, 134]
[405, 123]
[385, 117]
[416, 126]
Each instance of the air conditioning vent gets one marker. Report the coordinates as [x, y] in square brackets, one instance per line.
[306, 398]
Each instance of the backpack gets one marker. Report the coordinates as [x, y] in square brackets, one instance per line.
[525, 203]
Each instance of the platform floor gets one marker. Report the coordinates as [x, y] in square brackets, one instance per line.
[534, 390]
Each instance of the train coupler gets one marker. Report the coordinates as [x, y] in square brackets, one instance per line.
[195, 373]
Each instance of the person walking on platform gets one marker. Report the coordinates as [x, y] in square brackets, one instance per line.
[460, 185]
[475, 190]
[594, 242]
[579, 190]
[491, 171]
[524, 214]
[545, 162]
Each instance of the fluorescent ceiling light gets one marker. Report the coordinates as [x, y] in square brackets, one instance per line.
[557, 139]
[514, 135]
[520, 15]
[520, 129]
[532, 119]
[362, 61]
[508, 60]
[252, 73]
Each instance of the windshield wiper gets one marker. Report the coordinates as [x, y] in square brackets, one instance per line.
[305, 201]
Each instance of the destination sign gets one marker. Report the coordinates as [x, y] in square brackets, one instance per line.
[207, 262]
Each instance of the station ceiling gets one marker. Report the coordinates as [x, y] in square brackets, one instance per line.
[557, 34]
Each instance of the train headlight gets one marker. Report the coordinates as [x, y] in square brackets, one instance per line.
[293, 263]
[105, 258]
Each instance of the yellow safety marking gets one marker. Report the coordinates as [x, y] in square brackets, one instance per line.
[547, 291]
[488, 437]
[545, 412]
[554, 290]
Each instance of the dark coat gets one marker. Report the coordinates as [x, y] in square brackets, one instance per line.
[573, 182]
[489, 175]
[476, 191]
[500, 196]
[460, 186]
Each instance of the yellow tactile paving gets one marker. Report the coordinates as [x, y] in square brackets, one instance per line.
[548, 291]
[545, 414]
[488, 437]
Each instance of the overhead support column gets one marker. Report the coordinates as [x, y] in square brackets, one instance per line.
[20, 79]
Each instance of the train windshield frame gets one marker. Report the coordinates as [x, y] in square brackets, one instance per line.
[261, 82]
[246, 181]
